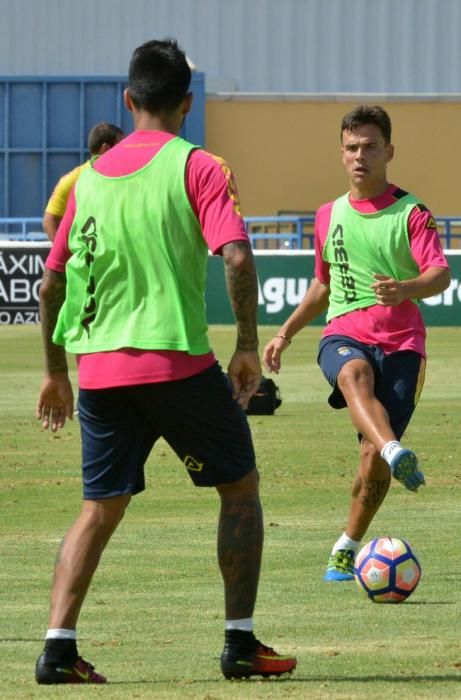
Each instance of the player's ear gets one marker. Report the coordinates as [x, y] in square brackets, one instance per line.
[389, 152]
[187, 103]
[127, 100]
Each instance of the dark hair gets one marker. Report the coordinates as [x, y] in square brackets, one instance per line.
[159, 76]
[103, 133]
[364, 114]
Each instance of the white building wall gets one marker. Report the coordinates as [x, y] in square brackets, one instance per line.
[282, 46]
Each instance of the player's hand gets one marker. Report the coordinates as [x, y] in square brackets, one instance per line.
[244, 371]
[55, 402]
[272, 353]
[389, 292]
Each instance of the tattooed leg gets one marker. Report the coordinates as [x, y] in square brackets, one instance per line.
[369, 490]
[240, 543]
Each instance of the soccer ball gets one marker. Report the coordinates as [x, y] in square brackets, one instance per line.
[387, 570]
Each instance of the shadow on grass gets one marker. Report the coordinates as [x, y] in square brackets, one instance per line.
[426, 602]
[436, 678]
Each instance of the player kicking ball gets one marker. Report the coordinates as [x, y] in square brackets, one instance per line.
[377, 253]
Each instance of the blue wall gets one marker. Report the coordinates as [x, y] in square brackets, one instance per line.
[44, 123]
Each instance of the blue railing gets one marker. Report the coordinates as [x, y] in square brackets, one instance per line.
[22, 229]
[297, 232]
[266, 232]
[449, 228]
[279, 232]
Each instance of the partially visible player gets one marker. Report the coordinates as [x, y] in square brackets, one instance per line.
[101, 137]
[377, 253]
[124, 289]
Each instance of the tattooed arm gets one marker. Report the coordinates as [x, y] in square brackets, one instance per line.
[242, 288]
[56, 401]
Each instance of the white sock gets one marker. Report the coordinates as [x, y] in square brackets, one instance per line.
[245, 624]
[346, 542]
[390, 449]
[61, 634]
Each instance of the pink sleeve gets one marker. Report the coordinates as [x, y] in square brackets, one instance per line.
[214, 198]
[60, 252]
[322, 224]
[424, 240]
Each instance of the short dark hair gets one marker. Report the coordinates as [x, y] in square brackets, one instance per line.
[103, 133]
[364, 114]
[159, 76]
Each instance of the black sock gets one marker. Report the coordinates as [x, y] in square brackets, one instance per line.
[240, 638]
[60, 651]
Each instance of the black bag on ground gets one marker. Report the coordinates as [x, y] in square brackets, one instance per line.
[266, 399]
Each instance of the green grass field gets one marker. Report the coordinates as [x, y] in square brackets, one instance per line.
[153, 619]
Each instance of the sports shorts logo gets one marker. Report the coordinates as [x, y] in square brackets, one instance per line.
[192, 465]
[344, 351]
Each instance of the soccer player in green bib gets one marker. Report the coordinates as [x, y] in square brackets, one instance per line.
[124, 289]
[377, 253]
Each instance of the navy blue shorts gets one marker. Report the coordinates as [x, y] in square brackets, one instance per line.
[399, 377]
[197, 417]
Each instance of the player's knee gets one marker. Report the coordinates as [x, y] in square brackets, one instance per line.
[372, 466]
[105, 514]
[354, 375]
[368, 452]
[247, 486]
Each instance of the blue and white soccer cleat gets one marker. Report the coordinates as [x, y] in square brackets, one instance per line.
[404, 468]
